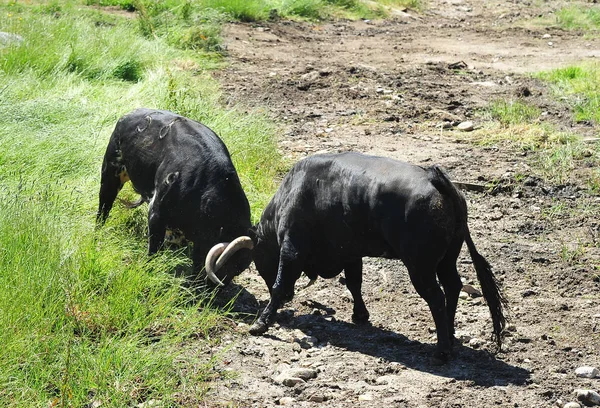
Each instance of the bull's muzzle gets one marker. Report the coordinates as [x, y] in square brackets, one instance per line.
[220, 253]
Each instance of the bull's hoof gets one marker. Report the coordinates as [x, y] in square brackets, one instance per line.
[360, 318]
[258, 328]
[440, 358]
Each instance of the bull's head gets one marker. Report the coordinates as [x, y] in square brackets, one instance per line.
[264, 252]
[219, 255]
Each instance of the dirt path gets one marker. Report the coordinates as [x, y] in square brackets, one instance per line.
[386, 87]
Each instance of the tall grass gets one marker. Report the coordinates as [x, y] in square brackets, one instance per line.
[578, 18]
[580, 87]
[87, 318]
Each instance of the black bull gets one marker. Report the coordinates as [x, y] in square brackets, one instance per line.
[184, 171]
[332, 210]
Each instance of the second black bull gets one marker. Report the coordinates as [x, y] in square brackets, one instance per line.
[183, 169]
[332, 210]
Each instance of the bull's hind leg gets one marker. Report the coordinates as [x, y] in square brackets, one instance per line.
[450, 280]
[423, 278]
[290, 269]
[353, 272]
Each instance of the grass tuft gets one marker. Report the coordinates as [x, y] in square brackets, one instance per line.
[578, 18]
[513, 112]
[579, 86]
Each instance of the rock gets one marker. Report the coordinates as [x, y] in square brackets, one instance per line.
[588, 397]
[292, 381]
[586, 372]
[546, 36]
[529, 292]
[316, 398]
[466, 126]
[304, 373]
[150, 404]
[292, 376]
[366, 397]
[305, 341]
[475, 342]
[10, 38]
[571, 405]
[286, 401]
[463, 295]
[471, 290]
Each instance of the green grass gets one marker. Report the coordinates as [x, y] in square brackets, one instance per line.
[579, 86]
[86, 316]
[578, 18]
[513, 112]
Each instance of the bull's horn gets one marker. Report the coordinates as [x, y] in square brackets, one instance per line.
[211, 260]
[235, 245]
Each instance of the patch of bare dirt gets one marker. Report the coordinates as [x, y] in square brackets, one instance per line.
[389, 88]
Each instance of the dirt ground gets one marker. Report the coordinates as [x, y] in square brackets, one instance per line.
[387, 88]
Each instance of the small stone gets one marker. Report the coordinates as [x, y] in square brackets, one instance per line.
[471, 290]
[550, 43]
[316, 398]
[292, 381]
[571, 405]
[466, 126]
[152, 403]
[546, 36]
[588, 397]
[528, 292]
[304, 373]
[366, 397]
[384, 380]
[475, 342]
[463, 295]
[286, 401]
[586, 372]
[10, 38]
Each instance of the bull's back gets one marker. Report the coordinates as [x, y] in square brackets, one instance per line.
[154, 141]
[344, 202]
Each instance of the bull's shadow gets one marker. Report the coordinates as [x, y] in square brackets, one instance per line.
[479, 366]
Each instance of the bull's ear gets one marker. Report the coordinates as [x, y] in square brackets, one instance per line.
[253, 234]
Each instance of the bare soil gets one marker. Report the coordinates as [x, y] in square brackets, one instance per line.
[386, 87]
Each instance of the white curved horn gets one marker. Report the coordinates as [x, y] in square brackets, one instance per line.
[234, 246]
[211, 260]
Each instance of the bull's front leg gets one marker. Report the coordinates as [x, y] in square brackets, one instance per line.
[157, 228]
[289, 270]
[353, 272]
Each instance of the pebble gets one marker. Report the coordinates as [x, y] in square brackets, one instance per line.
[586, 372]
[291, 377]
[588, 397]
[286, 401]
[292, 381]
[316, 398]
[466, 126]
[304, 340]
[471, 290]
[475, 342]
[366, 397]
[10, 38]
[571, 405]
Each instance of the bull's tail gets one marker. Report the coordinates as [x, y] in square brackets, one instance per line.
[134, 204]
[490, 286]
